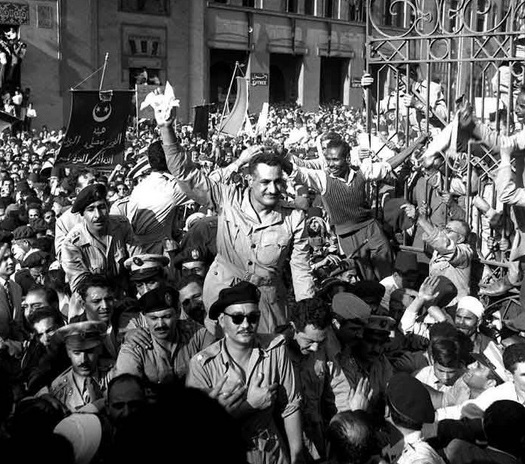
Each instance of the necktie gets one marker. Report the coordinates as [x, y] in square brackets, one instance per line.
[89, 394]
[8, 296]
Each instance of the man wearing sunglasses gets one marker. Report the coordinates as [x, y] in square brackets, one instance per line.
[251, 375]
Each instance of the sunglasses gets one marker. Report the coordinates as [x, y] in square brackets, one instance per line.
[238, 319]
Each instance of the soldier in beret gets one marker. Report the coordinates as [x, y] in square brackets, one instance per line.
[97, 245]
[194, 259]
[173, 341]
[23, 242]
[410, 407]
[86, 380]
[251, 375]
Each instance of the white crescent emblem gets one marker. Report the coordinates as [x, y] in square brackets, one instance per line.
[102, 111]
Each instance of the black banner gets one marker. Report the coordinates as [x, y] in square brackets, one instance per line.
[200, 124]
[97, 128]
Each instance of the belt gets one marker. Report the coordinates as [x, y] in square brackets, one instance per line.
[258, 280]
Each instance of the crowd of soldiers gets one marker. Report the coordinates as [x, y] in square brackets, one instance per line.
[312, 293]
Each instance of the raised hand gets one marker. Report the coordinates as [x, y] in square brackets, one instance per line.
[428, 290]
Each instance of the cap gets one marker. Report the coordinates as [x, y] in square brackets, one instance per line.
[492, 357]
[190, 255]
[23, 232]
[192, 218]
[331, 282]
[473, 305]
[243, 292]
[140, 168]
[446, 291]
[381, 323]
[35, 259]
[409, 398]
[145, 266]
[88, 195]
[84, 432]
[349, 306]
[39, 225]
[406, 262]
[82, 335]
[158, 299]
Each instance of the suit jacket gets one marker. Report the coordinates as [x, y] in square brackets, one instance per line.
[11, 324]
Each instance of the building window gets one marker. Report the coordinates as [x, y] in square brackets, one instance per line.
[248, 3]
[356, 10]
[155, 7]
[221, 1]
[291, 6]
[328, 8]
[309, 6]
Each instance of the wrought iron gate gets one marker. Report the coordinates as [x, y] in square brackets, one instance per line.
[473, 49]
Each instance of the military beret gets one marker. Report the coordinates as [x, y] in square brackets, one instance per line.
[406, 262]
[82, 335]
[39, 225]
[409, 398]
[368, 289]
[243, 292]
[88, 195]
[330, 283]
[381, 323]
[35, 259]
[145, 266]
[158, 299]
[23, 232]
[349, 306]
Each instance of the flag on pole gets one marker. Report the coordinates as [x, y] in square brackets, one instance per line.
[233, 123]
[97, 128]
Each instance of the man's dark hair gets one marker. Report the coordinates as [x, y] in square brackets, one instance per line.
[44, 313]
[269, 158]
[311, 311]
[351, 437]
[92, 281]
[340, 144]
[512, 355]
[156, 157]
[126, 377]
[189, 279]
[446, 352]
[504, 426]
[50, 294]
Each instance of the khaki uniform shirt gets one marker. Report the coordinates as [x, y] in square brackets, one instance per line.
[83, 254]
[66, 389]
[248, 248]
[268, 357]
[168, 358]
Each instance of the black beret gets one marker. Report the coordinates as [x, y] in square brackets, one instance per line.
[88, 195]
[243, 292]
[158, 299]
[35, 259]
[190, 254]
[410, 399]
[367, 289]
[24, 232]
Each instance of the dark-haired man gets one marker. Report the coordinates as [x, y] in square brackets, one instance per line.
[343, 192]
[256, 233]
[153, 202]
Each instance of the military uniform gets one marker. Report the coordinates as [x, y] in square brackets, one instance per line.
[167, 359]
[72, 389]
[268, 357]
[84, 254]
[65, 388]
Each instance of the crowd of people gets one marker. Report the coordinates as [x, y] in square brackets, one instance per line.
[311, 293]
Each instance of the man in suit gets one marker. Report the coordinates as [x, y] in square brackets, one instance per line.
[11, 315]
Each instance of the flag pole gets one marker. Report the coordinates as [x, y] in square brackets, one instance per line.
[103, 71]
[228, 94]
